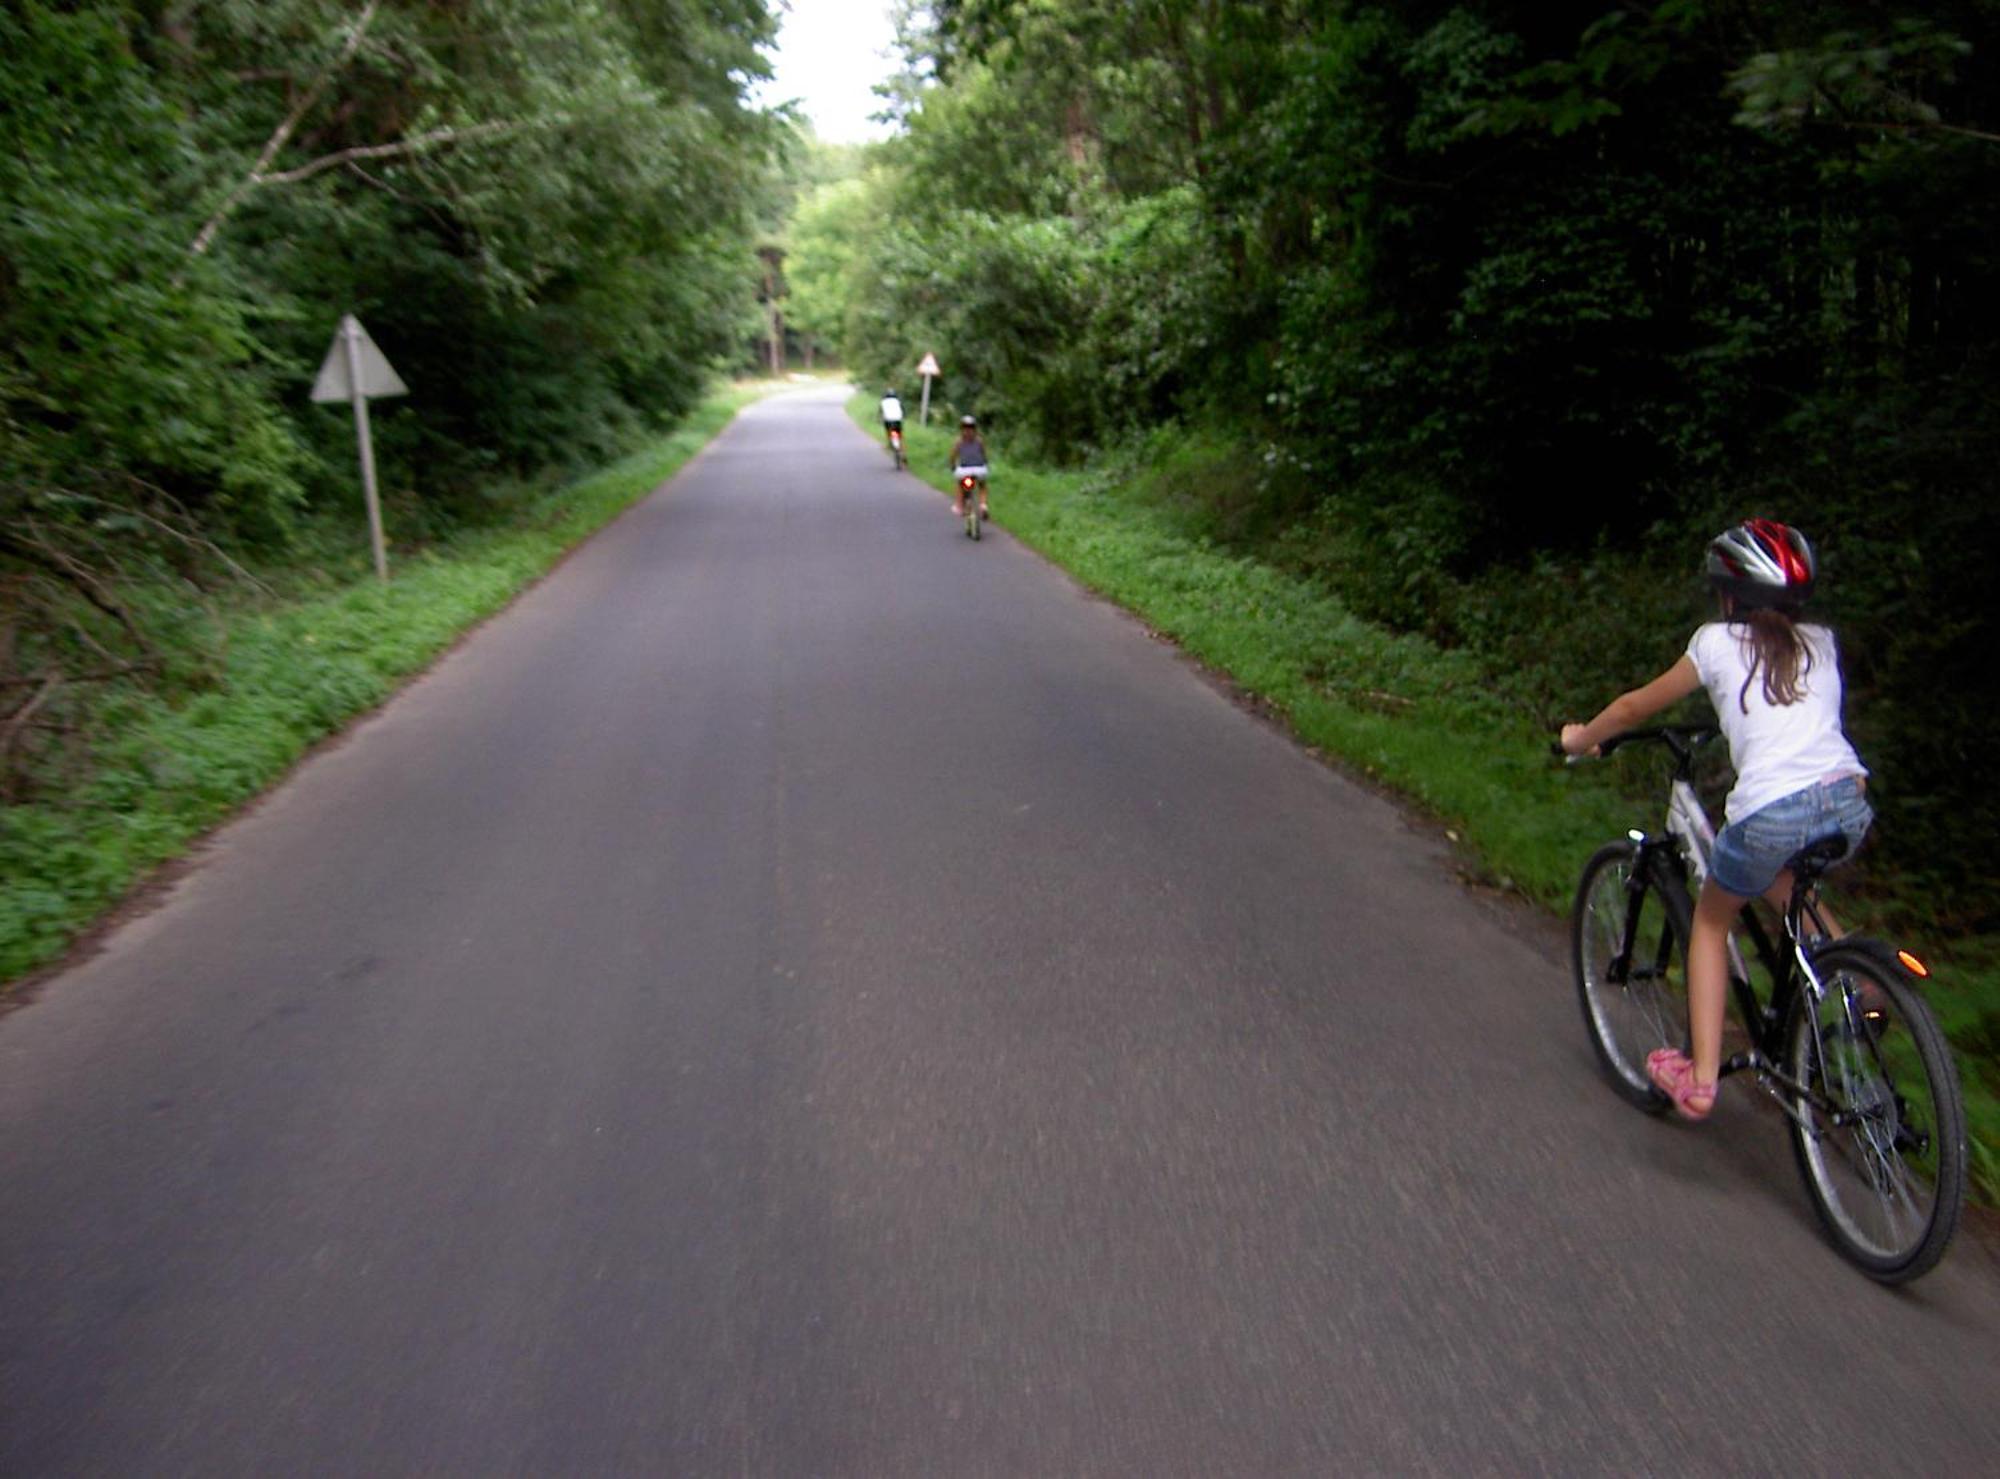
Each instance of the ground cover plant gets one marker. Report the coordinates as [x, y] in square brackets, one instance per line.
[1462, 733]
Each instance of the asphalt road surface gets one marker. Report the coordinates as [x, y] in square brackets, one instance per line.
[802, 993]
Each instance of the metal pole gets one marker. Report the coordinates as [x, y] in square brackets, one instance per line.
[350, 336]
[926, 418]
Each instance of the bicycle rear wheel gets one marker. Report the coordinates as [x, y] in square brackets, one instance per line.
[1881, 1139]
[1628, 936]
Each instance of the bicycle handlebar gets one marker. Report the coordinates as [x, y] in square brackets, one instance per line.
[1682, 740]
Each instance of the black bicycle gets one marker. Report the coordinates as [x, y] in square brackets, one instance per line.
[1843, 1040]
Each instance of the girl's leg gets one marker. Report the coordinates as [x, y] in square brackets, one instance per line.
[1779, 896]
[1708, 975]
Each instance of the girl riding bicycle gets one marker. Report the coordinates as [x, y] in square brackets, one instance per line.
[1775, 683]
[968, 459]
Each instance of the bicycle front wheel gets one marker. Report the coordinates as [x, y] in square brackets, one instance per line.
[1880, 1135]
[1628, 935]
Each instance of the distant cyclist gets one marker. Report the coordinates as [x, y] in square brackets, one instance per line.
[968, 459]
[892, 417]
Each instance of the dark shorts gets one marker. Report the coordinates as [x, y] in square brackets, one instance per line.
[892, 426]
[1750, 854]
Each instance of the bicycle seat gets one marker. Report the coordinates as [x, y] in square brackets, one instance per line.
[1816, 857]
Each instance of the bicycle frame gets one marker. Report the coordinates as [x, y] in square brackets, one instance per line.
[1686, 849]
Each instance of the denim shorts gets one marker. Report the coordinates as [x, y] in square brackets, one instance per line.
[1750, 854]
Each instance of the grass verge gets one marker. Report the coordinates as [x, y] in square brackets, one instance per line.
[1437, 726]
[295, 671]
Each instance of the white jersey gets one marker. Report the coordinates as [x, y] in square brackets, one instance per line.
[892, 409]
[1776, 748]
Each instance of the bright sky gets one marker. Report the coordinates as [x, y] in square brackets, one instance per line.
[830, 53]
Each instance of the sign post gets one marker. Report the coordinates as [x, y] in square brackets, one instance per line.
[929, 370]
[354, 370]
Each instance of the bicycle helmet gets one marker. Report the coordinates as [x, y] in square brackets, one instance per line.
[1762, 562]
[967, 421]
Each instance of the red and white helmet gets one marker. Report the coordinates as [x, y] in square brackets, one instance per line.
[1762, 562]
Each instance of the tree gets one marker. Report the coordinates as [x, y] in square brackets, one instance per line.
[828, 233]
[540, 207]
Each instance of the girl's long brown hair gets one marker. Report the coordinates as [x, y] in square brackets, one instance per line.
[1777, 651]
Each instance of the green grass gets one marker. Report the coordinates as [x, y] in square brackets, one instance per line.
[1437, 726]
[294, 670]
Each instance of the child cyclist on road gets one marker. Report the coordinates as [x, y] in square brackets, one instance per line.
[1775, 683]
[968, 459]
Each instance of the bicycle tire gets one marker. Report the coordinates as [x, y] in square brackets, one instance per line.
[1890, 1186]
[1628, 1019]
[972, 524]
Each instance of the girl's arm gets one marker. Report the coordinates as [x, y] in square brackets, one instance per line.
[1634, 708]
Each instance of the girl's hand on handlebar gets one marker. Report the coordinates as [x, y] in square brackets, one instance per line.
[1572, 741]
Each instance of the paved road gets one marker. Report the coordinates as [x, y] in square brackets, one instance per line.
[804, 994]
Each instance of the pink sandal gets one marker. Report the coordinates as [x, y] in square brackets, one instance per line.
[1672, 1073]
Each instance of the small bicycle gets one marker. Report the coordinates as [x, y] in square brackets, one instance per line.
[1845, 1043]
[896, 446]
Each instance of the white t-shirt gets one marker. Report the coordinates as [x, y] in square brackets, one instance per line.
[892, 409]
[1776, 748]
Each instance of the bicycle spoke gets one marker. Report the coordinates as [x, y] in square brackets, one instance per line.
[1880, 1154]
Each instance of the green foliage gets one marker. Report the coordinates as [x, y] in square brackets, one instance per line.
[1521, 303]
[825, 235]
[112, 365]
[540, 209]
[536, 206]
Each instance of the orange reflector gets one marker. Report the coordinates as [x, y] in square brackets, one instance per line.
[1911, 964]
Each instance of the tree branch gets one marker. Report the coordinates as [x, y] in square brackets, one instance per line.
[18, 720]
[93, 675]
[420, 144]
[1909, 128]
[37, 551]
[193, 541]
[283, 133]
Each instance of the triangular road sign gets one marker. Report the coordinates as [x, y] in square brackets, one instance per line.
[378, 378]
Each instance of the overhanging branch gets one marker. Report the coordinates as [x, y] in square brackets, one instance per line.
[283, 133]
[419, 144]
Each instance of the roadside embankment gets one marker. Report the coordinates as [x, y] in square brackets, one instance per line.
[165, 764]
